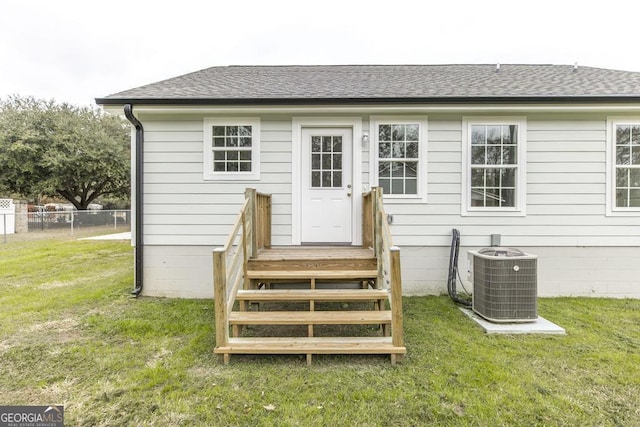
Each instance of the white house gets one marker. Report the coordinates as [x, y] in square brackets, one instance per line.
[546, 156]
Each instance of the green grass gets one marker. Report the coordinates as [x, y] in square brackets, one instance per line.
[71, 334]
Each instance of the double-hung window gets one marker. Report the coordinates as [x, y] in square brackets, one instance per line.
[398, 148]
[623, 187]
[232, 148]
[494, 176]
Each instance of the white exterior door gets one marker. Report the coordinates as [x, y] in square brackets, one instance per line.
[327, 185]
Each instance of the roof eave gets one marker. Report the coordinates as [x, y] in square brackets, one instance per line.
[370, 100]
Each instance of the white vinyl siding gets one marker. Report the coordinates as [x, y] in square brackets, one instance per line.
[566, 203]
[565, 184]
[566, 165]
[182, 208]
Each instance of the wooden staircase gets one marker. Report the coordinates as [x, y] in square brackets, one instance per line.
[308, 288]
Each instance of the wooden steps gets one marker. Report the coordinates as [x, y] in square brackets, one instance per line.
[273, 275]
[311, 318]
[278, 277]
[359, 317]
[311, 345]
[312, 258]
[321, 295]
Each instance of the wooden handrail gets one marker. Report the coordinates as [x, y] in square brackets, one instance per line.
[250, 232]
[376, 234]
[236, 226]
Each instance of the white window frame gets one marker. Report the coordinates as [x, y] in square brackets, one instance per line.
[521, 173]
[612, 209]
[209, 174]
[422, 122]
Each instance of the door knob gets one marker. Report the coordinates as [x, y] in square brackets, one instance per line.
[349, 194]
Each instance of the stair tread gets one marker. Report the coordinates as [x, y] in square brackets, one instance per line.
[359, 317]
[317, 345]
[314, 253]
[311, 274]
[312, 294]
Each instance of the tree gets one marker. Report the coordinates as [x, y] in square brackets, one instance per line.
[52, 149]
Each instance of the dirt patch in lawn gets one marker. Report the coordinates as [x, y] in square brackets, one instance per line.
[55, 284]
[53, 331]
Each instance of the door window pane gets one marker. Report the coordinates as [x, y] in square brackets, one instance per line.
[326, 161]
[326, 179]
[337, 179]
[315, 179]
[337, 144]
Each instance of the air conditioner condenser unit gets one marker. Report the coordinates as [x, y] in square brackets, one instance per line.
[505, 284]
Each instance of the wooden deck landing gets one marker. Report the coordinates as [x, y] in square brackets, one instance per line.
[291, 253]
[316, 259]
[337, 292]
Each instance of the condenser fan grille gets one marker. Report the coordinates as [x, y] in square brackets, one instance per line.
[505, 290]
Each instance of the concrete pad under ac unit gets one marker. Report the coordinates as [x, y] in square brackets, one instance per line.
[540, 326]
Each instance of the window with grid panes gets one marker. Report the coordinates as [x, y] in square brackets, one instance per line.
[494, 165]
[231, 147]
[231, 150]
[398, 158]
[627, 165]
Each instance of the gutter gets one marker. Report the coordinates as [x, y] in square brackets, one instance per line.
[139, 246]
[462, 100]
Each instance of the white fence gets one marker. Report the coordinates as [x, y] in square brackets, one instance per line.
[7, 216]
[71, 222]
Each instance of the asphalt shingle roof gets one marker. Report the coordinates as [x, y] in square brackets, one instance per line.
[238, 84]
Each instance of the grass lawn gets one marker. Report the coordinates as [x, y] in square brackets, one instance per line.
[71, 334]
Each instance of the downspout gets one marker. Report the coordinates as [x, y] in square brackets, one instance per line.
[139, 165]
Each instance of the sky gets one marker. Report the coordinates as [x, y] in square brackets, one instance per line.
[76, 50]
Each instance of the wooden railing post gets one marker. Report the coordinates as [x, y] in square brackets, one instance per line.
[378, 217]
[396, 298]
[220, 297]
[377, 233]
[245, 249]
[367, 220]
[267, 223]
[250, 193]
